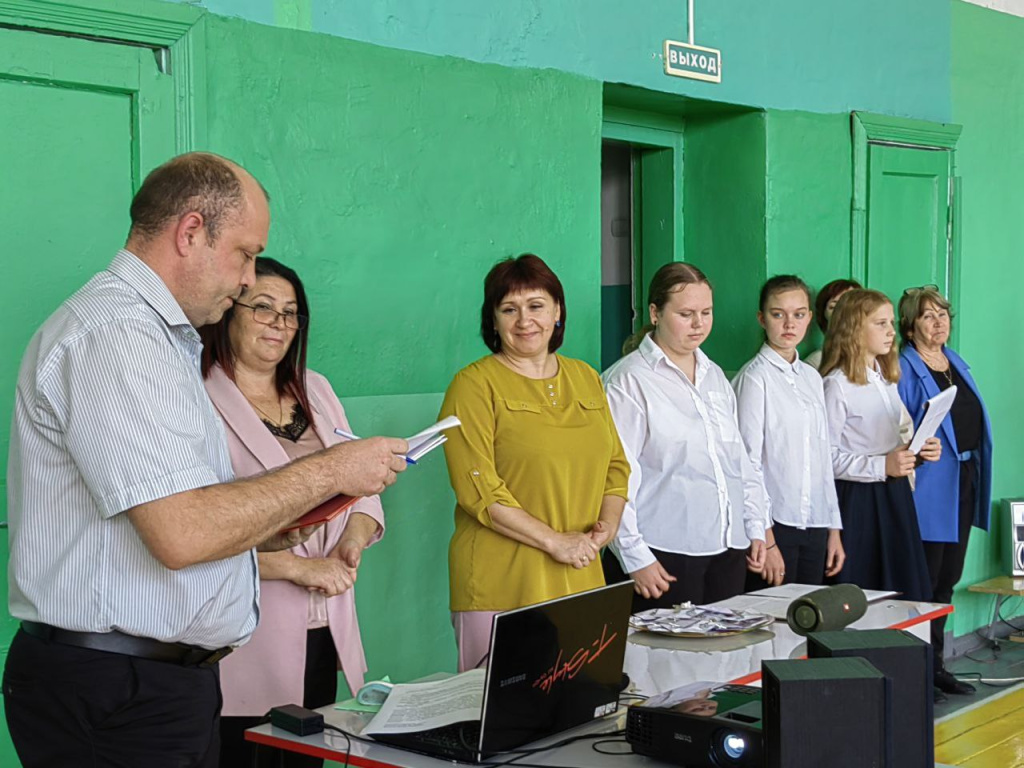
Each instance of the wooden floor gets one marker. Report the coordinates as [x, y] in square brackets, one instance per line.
[990, 735]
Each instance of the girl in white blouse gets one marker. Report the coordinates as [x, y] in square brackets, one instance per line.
[869, 430]
[696, 502]
[782, 419]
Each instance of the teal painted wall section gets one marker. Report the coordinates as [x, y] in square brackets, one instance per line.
[400, 181]
[988, 100]
[889, 56]
[723, 225]
[809, 187]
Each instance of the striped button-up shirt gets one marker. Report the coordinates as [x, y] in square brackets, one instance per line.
[111, 413]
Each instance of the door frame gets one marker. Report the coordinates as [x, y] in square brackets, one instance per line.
[870, 129]
[663, 134]
[169, 26]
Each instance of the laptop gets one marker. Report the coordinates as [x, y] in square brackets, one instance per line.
[552, 666]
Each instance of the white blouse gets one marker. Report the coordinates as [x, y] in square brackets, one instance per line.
[692, 489]
[782, 419]
[865, 422]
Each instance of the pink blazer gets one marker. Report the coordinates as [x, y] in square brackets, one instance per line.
[268, 670]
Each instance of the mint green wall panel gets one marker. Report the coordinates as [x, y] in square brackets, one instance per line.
[988, 100]
[889, 56]
[809, 187]
[723, 225]
[398, 179]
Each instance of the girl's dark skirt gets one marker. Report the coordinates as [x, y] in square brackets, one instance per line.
[882, 539]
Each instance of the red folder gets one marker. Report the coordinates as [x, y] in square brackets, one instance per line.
[329, 510]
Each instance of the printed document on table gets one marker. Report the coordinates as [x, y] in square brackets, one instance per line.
[935, 411]
[415, 707]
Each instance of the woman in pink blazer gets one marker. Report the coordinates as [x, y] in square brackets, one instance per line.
[275, 411]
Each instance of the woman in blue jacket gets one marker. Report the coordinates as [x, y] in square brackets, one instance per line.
[955, 492]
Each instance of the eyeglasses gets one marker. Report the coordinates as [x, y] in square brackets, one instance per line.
[267, 315]
[929, 287]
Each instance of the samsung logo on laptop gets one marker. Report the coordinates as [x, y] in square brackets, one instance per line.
[512, 680]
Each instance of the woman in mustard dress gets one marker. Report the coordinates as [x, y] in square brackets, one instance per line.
[539, 475]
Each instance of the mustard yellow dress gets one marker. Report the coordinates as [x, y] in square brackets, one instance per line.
[547, 446]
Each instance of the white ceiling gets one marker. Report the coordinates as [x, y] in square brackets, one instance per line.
[1014, 7]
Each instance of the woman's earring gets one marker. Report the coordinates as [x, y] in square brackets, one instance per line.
[558, 323]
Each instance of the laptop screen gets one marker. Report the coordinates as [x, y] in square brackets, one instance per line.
[554, 666]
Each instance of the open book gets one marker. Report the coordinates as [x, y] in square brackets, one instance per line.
[420, 445]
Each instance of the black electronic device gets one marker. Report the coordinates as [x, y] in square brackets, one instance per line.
[699, 725]
[907, 661]
[827, 609]
[296, 719]
[552, 666]
[826, 712]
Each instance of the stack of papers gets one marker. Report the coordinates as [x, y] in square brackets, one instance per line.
[698, 621]
[421, 443]
[424, 442]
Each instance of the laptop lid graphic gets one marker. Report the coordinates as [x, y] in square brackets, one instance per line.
[552, 666]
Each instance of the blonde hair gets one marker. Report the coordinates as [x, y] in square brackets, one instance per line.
[844, 344]
[912, 305]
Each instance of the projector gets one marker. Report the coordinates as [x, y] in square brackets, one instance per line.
[700, 725]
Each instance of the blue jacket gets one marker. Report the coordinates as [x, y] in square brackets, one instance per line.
[937, 488]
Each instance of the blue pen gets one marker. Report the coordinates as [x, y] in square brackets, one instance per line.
[350, 436]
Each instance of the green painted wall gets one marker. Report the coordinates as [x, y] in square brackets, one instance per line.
[809, 188]
[988, 100]
[889, 56]
[723, 224]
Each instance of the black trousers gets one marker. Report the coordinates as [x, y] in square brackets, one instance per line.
[700, 579]
[320, 689]
[79, 708]
[946, 559]
[804, 553]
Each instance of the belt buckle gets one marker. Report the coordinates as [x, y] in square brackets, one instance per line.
[215, 656]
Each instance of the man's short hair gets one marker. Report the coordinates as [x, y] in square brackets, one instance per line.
[199, 181]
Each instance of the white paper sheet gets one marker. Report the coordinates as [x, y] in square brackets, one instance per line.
[415, 707]
[935, 411]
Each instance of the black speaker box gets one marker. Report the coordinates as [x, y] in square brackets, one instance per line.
[907, 661]
[826, 712]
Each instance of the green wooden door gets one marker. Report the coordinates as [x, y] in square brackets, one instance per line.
[81, 122]
[908, 219]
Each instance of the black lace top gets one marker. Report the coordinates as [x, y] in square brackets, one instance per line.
[292, 430]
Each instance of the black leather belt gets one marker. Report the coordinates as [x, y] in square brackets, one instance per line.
[129, 645]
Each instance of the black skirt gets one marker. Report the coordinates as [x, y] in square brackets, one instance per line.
[882, 539]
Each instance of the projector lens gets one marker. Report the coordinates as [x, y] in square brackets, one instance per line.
[734, 746]
[729, 748]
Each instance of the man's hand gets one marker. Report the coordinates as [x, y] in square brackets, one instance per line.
[287, 539]
[366, 467]
[652, 581]
[327, 575]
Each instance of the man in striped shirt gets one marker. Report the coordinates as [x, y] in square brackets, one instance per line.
[132, 565]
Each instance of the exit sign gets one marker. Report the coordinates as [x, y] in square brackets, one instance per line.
[693, 61]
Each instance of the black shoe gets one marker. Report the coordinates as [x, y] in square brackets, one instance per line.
[939, 696]
[947, 683]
